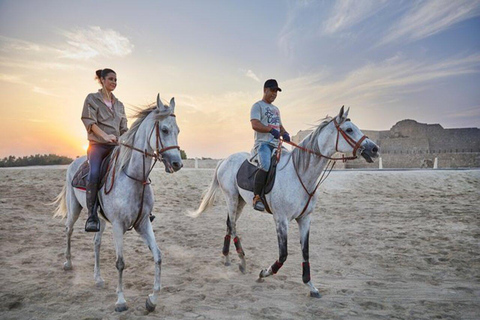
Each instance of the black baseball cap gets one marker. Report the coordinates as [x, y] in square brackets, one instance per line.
[272, 84]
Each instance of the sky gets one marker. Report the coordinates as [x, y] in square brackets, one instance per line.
[386, 60]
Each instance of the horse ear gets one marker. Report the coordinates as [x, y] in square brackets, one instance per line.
[159, 102]
[340, 115]
[172, 104]
[345, 115]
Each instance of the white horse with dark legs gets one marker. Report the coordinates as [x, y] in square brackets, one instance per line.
[127, 198]
[293, 195]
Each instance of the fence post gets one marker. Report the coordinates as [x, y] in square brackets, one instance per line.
[380, 163]
[196, 163]
[435, 163]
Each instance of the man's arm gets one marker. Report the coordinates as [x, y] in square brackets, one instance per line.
[259, 127]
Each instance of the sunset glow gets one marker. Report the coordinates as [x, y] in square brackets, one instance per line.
[386, 60]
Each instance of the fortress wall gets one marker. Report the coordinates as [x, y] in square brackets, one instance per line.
[411, 144]
[462, 140]
[445, 160]
[202, 164]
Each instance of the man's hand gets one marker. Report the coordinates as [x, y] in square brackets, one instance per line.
[275, 133]
[286, 136]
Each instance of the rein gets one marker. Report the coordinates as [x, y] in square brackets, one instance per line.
[156, 155]
[354, 144]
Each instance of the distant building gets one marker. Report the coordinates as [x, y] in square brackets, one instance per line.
[410, 144]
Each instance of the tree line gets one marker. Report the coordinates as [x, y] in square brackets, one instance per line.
[44, 160]
[34, 160]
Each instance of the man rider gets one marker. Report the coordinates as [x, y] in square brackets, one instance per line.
[266, 122]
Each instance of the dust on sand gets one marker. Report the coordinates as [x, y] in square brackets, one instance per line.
[383, 245]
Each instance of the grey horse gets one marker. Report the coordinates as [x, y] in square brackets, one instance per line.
[127, 198]
[293, 195]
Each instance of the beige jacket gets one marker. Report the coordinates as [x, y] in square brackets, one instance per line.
[95, 111]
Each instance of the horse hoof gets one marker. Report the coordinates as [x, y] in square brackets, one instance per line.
[241, 268]
[260, 280]
[121, 307]
[67, 266]
[149, 305]
[315, 294]
[100, 284]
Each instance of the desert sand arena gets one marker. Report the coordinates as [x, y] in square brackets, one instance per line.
[383, 245]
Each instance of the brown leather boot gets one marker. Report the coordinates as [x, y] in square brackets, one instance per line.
[93, 223]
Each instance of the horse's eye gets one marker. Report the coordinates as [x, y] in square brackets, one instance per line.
[165, 130]
[349, 130]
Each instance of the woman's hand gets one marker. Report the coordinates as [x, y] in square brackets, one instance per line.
[110, 138]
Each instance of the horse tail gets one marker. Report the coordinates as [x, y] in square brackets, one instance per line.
[209, 195]
[61, 203]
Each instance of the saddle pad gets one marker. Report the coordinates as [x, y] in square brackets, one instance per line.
[80, 178]
[246, 176]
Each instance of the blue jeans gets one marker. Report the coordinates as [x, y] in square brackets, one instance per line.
[95, 154]
[265, 156]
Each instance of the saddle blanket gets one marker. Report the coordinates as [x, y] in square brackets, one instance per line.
[79, 180]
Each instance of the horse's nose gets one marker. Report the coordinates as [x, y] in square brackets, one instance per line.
[375, 149]
[177, 165]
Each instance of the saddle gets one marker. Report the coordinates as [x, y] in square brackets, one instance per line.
[79, 180]
[246, 178]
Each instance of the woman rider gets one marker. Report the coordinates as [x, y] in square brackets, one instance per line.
[104, 118]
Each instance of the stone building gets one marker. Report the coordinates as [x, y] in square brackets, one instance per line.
[409, 144]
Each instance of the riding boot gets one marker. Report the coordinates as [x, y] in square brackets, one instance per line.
[260, 179]
[93, 223]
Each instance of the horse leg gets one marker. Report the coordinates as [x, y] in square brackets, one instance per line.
[97, 240]
[146, 232]
[121, 304]
[226, 242]
[282, 231]
[304, 228]
[233, 215]
[73, 212]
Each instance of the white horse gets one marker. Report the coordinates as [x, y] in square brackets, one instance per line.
[293, 195]
[127, 198]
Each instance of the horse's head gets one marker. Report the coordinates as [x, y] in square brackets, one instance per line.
[164, 134]
[348, 138]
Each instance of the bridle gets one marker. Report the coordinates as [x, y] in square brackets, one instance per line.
[348, 139]
[354, 144]
[159, 146]
[156, 155]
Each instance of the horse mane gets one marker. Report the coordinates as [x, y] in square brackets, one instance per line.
[310, 142]
[124, 153]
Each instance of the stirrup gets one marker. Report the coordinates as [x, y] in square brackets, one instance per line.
[92, 226]
[258, 204]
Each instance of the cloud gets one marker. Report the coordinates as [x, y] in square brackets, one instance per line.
[16, 79]
[473, 112]
[11, 78]
[252, 75]
[17, 45]
[430, 17]
[375, 83]
[88, 43]
[348, 13]
[39, 65]
[43, 91]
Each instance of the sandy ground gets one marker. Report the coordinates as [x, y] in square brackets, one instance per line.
[383, 245]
